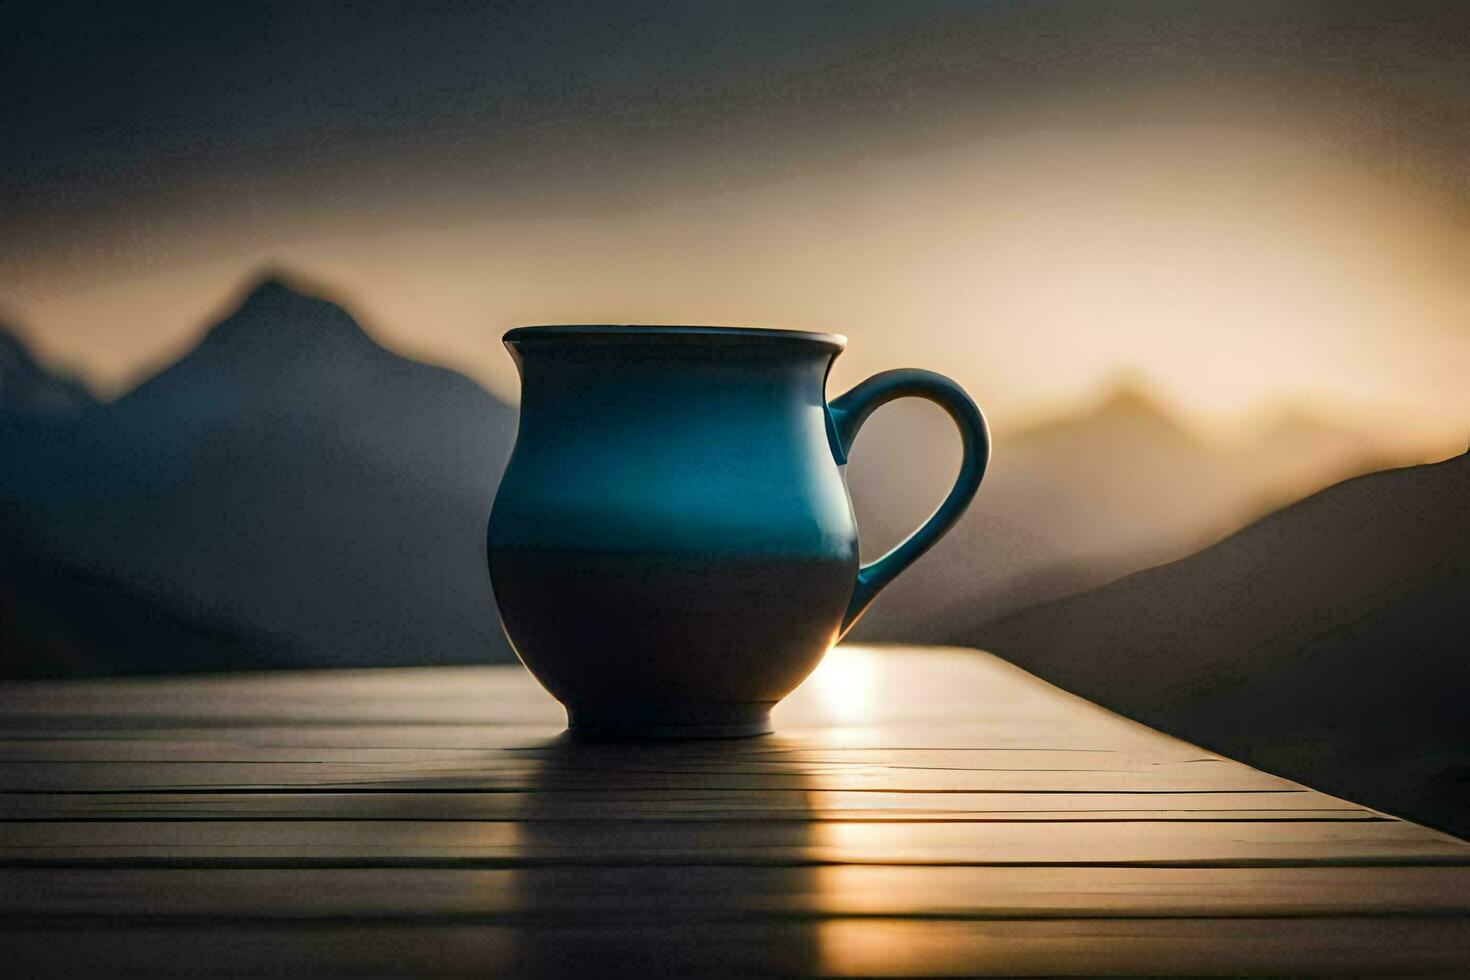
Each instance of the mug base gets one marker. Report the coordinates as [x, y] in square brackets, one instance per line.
[706, 721]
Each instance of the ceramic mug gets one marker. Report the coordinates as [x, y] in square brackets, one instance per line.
[672, 547]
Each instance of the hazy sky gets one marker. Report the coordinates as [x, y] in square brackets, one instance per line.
[1248, 204]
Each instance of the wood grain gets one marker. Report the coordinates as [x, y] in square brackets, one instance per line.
[920, 812]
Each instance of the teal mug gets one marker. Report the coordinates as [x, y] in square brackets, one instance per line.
[672, 548]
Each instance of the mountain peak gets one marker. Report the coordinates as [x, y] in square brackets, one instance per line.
[277, 309]
[1131, 397]
[1129, 404]
[276, 285]
[271, 283]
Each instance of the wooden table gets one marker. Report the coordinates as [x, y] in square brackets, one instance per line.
[920, 812]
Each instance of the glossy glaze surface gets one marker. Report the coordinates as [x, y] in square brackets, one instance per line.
[672, 547]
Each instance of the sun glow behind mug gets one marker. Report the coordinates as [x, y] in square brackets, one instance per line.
[845, 687]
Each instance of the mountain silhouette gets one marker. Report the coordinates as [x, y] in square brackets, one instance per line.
[1069, 504]
[1326, 642]
[28, 389]
[288, 482]
[294, 485]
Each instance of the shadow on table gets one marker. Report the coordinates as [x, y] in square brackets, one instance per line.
[665, 858]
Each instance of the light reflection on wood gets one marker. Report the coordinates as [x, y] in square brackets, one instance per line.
[919, 812]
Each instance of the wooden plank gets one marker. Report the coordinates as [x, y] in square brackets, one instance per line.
[841, 947]
[613, 803]
[594, 842]
[1221, 947]
[1214, 777]
[728, 893]
[21, 735]
[934, 813]
[736, 754]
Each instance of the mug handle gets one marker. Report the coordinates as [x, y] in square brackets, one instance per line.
[848, 412]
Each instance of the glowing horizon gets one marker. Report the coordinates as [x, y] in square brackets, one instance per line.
[1238, 274]
[1252, 208]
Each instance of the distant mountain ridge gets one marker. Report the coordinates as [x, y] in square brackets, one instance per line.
[1328, 642]
[296, 485]
[1070, 504]
[289, 478]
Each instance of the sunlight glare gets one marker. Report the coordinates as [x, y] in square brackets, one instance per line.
[846, 683]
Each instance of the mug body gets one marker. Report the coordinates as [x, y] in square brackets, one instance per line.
[672, 547]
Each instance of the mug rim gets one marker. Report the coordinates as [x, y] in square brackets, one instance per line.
[615, 332]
